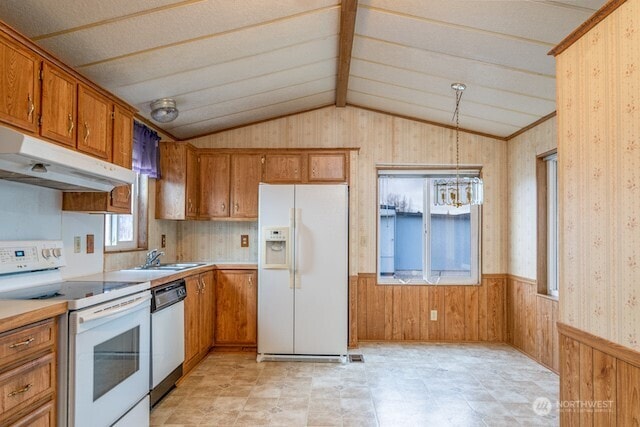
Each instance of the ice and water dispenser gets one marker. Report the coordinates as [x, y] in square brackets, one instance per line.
[276, 250]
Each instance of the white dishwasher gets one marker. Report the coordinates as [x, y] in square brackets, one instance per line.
[167, 338]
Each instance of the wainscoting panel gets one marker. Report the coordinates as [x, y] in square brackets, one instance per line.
[403, 313]
[599, 381]
[531, 322]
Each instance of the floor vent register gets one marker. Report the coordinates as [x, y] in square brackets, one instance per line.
[356, 358]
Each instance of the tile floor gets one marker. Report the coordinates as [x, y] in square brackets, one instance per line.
[397, 385]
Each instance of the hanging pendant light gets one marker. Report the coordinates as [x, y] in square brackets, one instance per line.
[459, 191]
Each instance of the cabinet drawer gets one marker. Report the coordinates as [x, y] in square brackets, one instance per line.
[43, 416]
[25, 341]
[26, 384]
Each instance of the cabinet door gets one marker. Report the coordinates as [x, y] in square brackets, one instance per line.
[59, 106]
[171, 192]
[283, 168]
[122, 152]
[192, 183]
[246, 173]
[327, 167]
[214, 185]
[236, 306]
[192, 318]
[94, 123]
[19, 69]
[207, 311]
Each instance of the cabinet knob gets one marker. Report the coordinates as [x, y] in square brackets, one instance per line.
[236, 206]
[21, 343]
[30, 107]
[22, 390]
[224, 207]
[87, 131]
[70, 124]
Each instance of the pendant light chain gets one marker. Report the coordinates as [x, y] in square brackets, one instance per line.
[457, 114]
[447, 191]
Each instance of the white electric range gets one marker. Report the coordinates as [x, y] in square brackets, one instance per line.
[103, 340]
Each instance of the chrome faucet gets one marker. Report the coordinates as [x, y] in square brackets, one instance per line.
[153, 257]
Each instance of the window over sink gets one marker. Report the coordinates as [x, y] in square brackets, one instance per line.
[121, 232]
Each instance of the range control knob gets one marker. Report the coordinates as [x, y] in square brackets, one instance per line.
[46, 253]
[57, 252]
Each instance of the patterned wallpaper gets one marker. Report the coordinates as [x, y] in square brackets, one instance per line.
[598, 82]
[522, 152]
[381, 138]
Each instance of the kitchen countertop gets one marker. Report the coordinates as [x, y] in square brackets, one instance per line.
[17, 313]
[160, 277]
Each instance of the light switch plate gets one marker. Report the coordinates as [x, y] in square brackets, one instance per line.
[76, 244]
[244, 240]
[163, 243]
[434, 314]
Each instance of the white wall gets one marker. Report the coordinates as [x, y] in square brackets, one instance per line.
[35, 213]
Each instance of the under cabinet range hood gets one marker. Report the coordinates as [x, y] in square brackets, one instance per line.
[30, 160]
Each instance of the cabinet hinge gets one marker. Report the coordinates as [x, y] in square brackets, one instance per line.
[113, 115]
[41, 74]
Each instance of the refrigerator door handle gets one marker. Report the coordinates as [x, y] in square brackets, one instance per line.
[291, 254]
[296, 245]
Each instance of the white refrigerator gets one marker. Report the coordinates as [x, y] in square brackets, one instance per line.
[302, 272]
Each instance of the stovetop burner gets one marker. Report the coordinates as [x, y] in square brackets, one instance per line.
[78, 294]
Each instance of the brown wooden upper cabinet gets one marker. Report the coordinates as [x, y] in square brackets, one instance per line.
[59, 108]
[177, 190]
[246, 173]
[327, 167]
[284, 168]
[94, 123]
[19, 85]
[120, 200]
[215, 172]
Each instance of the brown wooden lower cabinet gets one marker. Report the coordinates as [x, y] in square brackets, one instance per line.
[236, 308]
[198, 318]
[28, 375]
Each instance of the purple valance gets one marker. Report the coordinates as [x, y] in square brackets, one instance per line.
[146, 151]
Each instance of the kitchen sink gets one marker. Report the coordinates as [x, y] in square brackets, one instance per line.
[178, 266]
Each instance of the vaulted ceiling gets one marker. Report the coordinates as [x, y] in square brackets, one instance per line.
[229, 63]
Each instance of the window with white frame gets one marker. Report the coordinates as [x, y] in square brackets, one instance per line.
[419, 242]
[121, 231]
[551, 163]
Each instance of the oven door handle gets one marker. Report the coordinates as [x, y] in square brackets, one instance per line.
[112, 311]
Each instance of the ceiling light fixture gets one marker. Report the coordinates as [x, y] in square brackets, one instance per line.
[459, 191]
[164, 110]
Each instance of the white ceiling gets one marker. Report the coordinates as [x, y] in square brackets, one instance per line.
[229, 63]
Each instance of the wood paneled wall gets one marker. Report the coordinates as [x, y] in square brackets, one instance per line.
[599, 381]
[531, 322]
[402, 313]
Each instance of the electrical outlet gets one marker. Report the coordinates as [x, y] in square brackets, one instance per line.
[434, 314]
[76, 244]
[163, 241]
[244, 240]
[90, 239]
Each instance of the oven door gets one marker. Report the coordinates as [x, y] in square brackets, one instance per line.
[108, 360]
